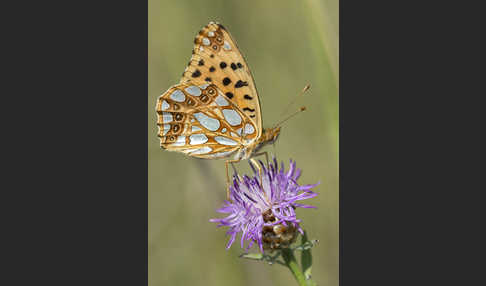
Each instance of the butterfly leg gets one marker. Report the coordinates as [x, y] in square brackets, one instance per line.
[257, 165]
[262, 153]
[228, 177]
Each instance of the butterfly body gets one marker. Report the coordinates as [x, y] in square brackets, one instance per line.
[214, 111]
[269, 136]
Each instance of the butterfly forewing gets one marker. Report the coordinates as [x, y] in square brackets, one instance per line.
[216, 59]
[200, 121]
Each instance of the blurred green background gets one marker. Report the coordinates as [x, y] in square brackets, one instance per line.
[287, 44]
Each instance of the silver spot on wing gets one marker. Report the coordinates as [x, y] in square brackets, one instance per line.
[178, 96]
[221, 101]
[249, 129]
[198, 139]
[193, 90]
[221, 154]
[225, 141]
[165, 105]
[226, 46]
[167, 117]
[207, 122]
[232, 117]
[166, 128]
[202, 150]
[181, 141]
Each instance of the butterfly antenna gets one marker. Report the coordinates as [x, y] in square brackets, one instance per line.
[303, 108]
[306, 88]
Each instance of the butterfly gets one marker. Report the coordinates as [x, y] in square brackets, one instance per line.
[214, 111]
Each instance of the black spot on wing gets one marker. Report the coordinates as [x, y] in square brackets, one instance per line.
[208, 79]
[239, 65]
[252, 116]
[229, 95]
[222, 65]
[247, 97]
[211, 69]
[241, 84]
[233, 66]
[201, 62]
[226, 81]
[248, 109]
[197, 73]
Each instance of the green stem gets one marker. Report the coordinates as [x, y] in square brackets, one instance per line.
[291, 263]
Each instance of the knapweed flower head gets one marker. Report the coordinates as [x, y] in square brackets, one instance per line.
[265, 212]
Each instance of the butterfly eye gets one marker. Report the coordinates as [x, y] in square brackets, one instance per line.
[178, 117]
[176, 128]
[171, 138]
[219, 40]
[216, 47]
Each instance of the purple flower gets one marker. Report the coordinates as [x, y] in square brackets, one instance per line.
[265, 213]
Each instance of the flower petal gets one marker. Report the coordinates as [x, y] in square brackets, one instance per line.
[250, 198]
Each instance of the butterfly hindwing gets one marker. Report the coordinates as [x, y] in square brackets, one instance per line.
[217, 60]
[200, 121]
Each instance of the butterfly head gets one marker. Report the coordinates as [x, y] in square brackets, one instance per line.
[270, 135]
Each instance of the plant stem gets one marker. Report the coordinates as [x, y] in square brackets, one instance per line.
[291, 263]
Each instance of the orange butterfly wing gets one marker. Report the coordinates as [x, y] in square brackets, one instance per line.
[202, 122]
[216, 59]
